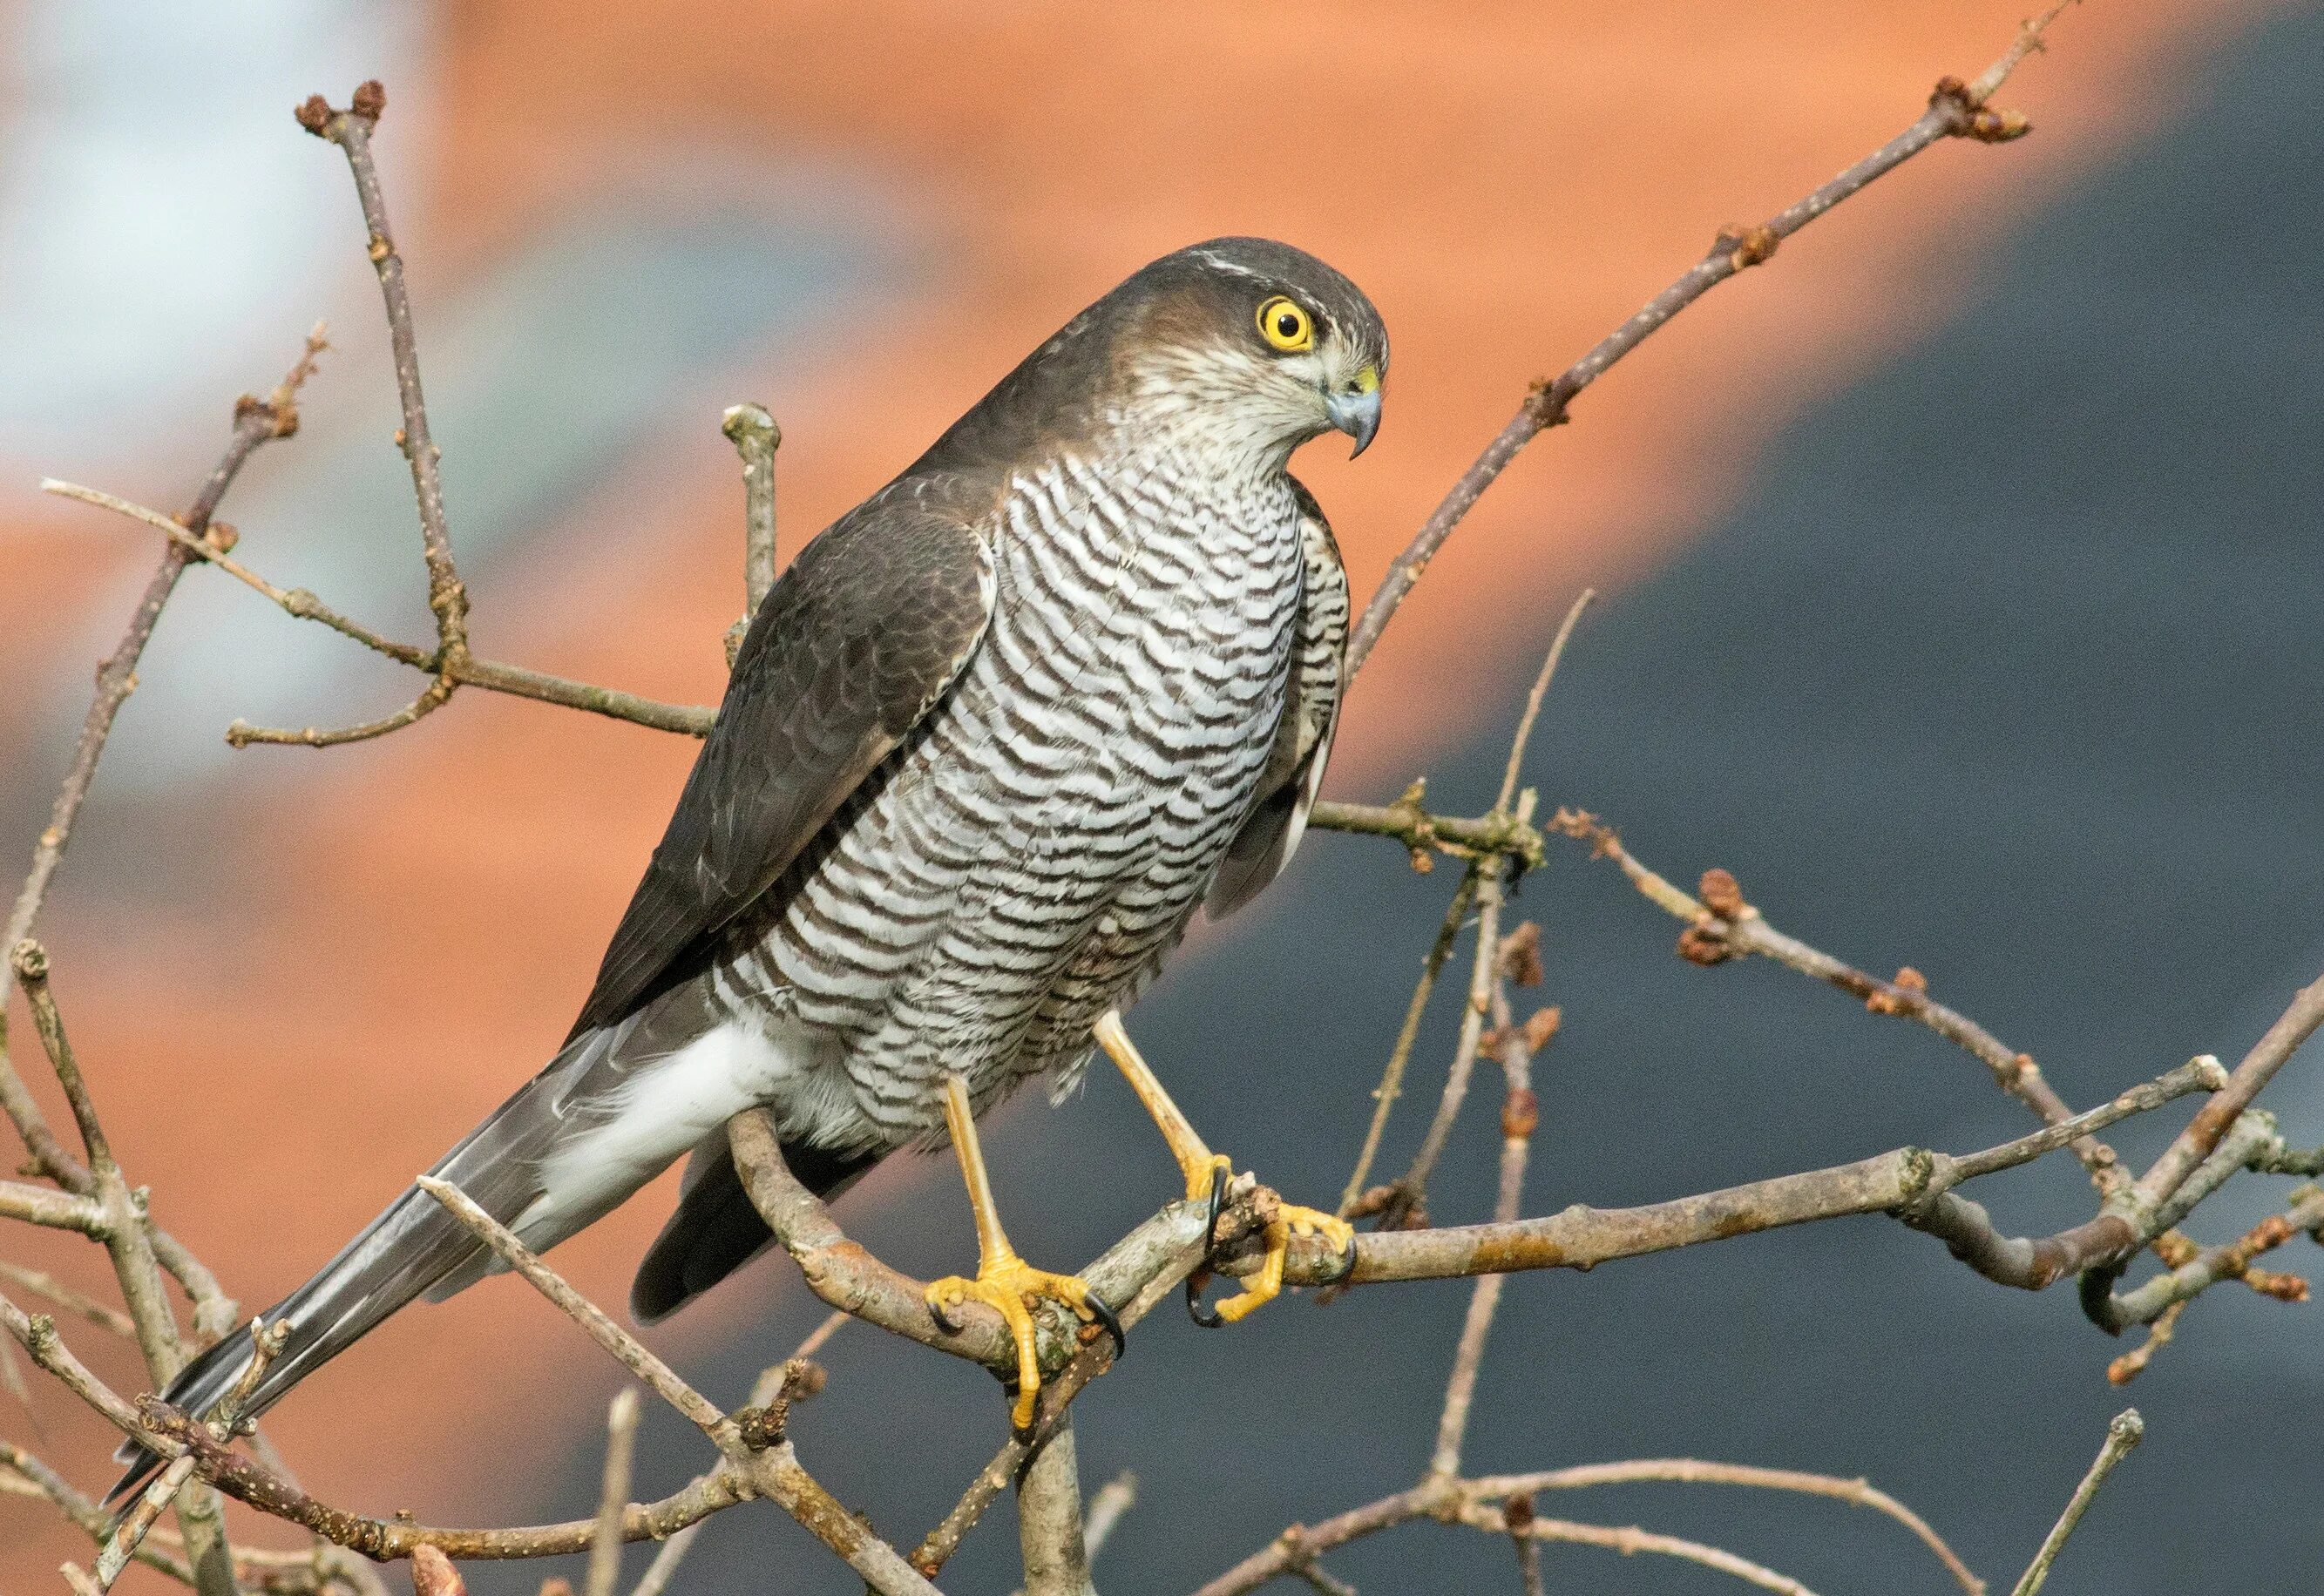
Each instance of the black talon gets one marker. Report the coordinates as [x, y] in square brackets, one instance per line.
[1194, 1308]
[949, 1326]
[1347, 1262]
[1105, 1315]
[1202, 1277]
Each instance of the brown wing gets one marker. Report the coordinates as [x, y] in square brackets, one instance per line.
[852, 647]
[1311, 710]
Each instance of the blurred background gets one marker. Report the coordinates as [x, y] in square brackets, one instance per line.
[1960, 581]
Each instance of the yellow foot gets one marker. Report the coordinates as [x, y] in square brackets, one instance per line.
[1010, 1286]
[1265, 1287]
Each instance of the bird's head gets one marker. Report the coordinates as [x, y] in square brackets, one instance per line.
[1257, 342]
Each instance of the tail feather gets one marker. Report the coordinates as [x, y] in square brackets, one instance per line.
[399, 1255]
[414, 1247]
[715, 1229]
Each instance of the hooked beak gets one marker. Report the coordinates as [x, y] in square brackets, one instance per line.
[1358, 413]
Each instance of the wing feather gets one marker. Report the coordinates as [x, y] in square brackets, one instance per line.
[858, 641]
[1303, 740]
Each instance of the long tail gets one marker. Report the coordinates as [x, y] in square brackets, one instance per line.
[414, 1246]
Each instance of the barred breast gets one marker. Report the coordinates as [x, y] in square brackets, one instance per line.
[1027, 863]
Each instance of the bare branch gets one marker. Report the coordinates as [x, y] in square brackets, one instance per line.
[1730, 927]
[631, 1353]
[1050, 1532]
[266, 1341]
[40, 1282]
[32, 1476]
[2127, 1430]
[432, 1574]
[1630, 1540]
[62, 1211]
[1391, 1082]
[465, 670]
[2269, 1055]
[606, 1546]
[255, 422]
[2232, 1261]
[756, 437]
[352, 130]
[1687, 1471]
[1520, 1113]
[1908, 1181]
[125, 1236]
[37, 1334]
[773, 1470]
[1956, 109]
[1515, 765]
[1412, 1187]
[1113, 1500]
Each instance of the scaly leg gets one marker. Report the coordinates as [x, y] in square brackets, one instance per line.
[1204, 1170]
[1004, 1281]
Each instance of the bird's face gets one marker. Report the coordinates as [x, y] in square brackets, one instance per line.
[1261, 343]
[1321, 373]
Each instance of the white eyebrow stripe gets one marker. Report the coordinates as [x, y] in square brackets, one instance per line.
[1235, 267]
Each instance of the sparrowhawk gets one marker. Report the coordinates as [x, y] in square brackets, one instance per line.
[988, 744]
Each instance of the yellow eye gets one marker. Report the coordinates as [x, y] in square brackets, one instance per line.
[1283, 324]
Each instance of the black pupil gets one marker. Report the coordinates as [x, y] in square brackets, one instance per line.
[1286, 324]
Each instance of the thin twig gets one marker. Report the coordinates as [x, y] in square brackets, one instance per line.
[1730, 927]
[756, 437]
[1687, 1471]
[1629, 1541]
[694, 720]
[130, 1242]
[2133, 1363]
[659, 1571]
[41, 1284]
[1517, 1514]
[774, 1471]
[448, 599]
[1412, 1186]
[1520, 1114]
[39, 1479]
[1911, 1183]
[2216, 1265]
[1391, 1082]
[266, 1341]
[1516, 763]
[1113, 1500]
[255, 422]
[2127, 1430]
[1956, 109]
[2298, 1022]
[631, 1353]
[126, 1238]
[613, 1494]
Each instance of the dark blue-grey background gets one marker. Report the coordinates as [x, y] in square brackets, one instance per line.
[2007, 668]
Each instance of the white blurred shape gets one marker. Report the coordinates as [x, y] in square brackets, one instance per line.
[158, 209]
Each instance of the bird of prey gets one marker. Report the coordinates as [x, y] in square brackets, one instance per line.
[988, 744]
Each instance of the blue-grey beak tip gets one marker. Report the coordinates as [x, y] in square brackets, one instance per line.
[1359, 416]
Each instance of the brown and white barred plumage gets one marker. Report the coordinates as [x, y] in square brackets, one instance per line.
[990, 742]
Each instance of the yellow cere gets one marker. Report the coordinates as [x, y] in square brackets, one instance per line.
[1284, 324]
